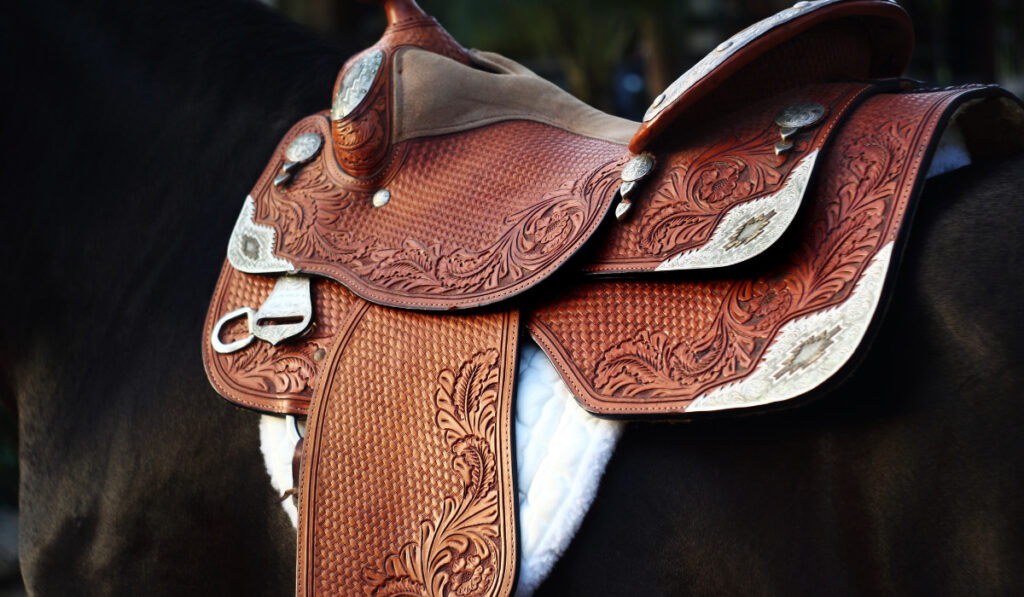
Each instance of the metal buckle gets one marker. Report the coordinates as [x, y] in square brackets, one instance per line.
[237, 344]
[289, 304]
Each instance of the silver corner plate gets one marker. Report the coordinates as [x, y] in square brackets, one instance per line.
[808, 350]
[748, 229]
[251, 247]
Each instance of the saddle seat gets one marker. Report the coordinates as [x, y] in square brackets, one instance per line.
[731, 251]
[428, 138]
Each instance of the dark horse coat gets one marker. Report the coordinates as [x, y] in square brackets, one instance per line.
[132, 131]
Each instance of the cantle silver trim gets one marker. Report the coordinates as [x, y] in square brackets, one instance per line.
[727, 49]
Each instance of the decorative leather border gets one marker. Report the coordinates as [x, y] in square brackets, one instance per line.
[469, 545]
[275, 379]
[721, 195]
[325, 224]
[766, 329]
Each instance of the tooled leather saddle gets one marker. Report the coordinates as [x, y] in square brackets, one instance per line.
[731, 251]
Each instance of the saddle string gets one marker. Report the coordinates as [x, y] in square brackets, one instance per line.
[296, 471]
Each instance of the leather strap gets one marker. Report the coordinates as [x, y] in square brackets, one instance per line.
[273, 379]
[296, 471]
[407, 481]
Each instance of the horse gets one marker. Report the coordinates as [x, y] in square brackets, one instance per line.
[132, 132]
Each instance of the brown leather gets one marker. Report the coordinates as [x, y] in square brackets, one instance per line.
[362, 139]
[280, 379]
[848, 40]
[699, 178]
[474, 217]
[651, 347]
[275, 379]
[407, 483]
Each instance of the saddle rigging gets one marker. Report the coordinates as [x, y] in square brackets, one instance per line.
[731, 251]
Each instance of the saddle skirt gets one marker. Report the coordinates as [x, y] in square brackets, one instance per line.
[731, 251]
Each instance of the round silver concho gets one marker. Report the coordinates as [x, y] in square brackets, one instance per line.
[304, 147]
[381, 198]
[637, 167]
[800, 115]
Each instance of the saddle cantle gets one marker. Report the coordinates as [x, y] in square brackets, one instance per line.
[731, 251]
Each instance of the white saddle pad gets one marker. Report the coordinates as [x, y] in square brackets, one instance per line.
[561, 452]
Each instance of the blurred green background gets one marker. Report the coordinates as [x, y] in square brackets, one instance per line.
[618, 55]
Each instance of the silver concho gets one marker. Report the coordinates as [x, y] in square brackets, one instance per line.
[800, 115]
[637, 167]
[304, 147]
[381, 198]
[356, 84]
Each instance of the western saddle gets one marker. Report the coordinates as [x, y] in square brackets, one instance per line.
[729, 252]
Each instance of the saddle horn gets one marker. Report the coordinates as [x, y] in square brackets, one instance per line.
[360, 114]
[399, 10]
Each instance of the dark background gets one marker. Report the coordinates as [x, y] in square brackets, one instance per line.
[617, 55]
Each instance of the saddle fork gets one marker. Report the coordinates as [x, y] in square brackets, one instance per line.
[285, 314]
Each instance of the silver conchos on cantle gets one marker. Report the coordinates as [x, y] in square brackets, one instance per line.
[793, 118]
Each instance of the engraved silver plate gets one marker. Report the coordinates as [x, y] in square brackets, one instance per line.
[356, 84]
[289, 301]
[800, 115]
[807, 351]
[251, 247]
[638, 167]
[726, 50]
[748, 229]
[285, 314]
[304, 148]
